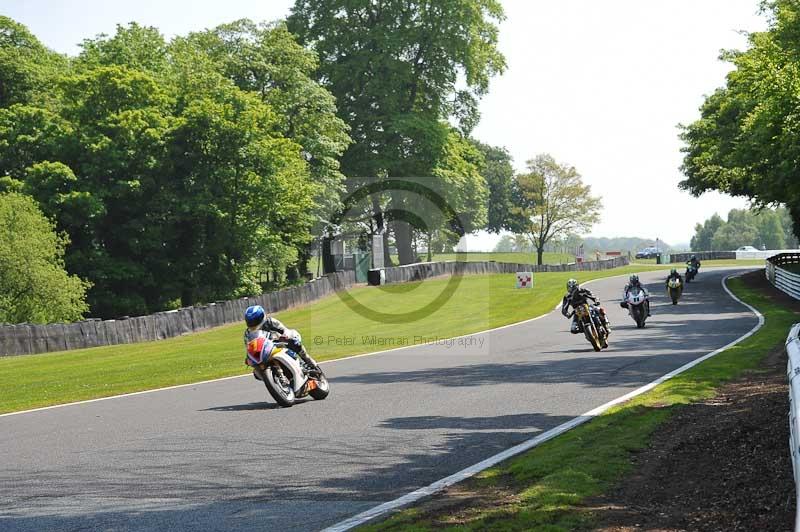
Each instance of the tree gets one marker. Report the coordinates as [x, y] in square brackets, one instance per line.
[174, 185]
[398, 69]
[267, 60]
[761, 228]
[770, 232]
[731, 236]
[704, 233]
[34, 287]
[27, 68]
[553, 200]
[788, 230]
[747, 141]
[499, 175]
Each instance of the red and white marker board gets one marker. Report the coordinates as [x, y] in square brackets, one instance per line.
[524, 279]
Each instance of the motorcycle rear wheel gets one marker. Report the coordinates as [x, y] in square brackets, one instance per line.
[283, 395]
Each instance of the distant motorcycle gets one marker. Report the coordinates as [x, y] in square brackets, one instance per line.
[592, 324]
[674, 290]
[286, 376]
[691, 272]
[635, 300]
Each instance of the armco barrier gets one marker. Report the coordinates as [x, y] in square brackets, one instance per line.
[783, 279]
[24, 339]
[424, 270]
[793, 374]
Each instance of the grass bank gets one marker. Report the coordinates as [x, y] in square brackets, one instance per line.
[541, 489]
[480, 256]
[330, 329]
[705, 263]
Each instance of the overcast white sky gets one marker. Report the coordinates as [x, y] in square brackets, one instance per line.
[601, 85]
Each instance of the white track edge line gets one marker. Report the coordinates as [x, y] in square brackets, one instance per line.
[468, 472]
[153, 390]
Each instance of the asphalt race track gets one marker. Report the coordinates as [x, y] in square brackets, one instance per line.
[218, 456]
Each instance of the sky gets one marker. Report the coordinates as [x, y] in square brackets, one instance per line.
[601, 86]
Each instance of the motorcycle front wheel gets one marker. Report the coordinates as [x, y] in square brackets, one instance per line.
[283, 394]
[322, 390]
[591, 335]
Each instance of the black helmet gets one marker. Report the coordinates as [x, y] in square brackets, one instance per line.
[634, 279]
[673, 271]
[572, 284]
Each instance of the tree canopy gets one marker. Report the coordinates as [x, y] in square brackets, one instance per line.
[554, 202]
[174, 184]
[183, 171]
[395, 69]
[34, 287]
[763, 229]
[747, 141]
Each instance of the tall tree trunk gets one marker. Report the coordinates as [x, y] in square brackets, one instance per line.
[430, 253]
[402, 229]
[402, 239]
[328, 266]
[387, 257]
[539, 254]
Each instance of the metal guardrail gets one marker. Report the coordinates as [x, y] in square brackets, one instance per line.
[784, 280]
[793, 375]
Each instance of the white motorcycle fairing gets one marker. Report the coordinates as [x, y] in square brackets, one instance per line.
[635, 299]
[288, 362]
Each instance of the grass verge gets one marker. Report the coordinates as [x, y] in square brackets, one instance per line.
[540, 490]
[704, 264]
[330, 330]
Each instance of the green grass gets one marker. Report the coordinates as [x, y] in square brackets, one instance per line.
[478, 256]
[706, 263]
[543, 487]
[330, 330]
[521, 258]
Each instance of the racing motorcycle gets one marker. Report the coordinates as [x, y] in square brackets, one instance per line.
[691, 272]
[592, 324]
[286, 376]
[636, 309]
[674, 289]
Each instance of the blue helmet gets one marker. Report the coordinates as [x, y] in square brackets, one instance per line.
[254, 315]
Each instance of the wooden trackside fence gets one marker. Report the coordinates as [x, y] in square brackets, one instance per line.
[26, 338]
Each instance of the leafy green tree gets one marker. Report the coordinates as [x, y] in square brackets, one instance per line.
[704, 233]
[34, 287]
[731, 236]
[747, 141]
[267, 60]
[27, 68]
[499, 175]
[787, 226]
[397, 70]
[554, 201]
[172, 182]
[133, 46]
[761, 228]
[770, 233]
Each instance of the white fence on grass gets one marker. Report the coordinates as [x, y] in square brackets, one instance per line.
[793, 374]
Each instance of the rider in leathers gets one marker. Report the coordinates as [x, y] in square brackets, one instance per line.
[673, 274]
[257, 320]
[575, 297]
[634, 283]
